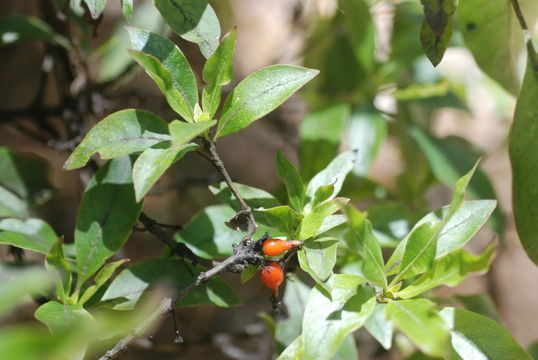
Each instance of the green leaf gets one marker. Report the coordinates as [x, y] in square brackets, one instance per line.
[60, 317]
[450, 269]
[450, 158]
[492, 33]
[127, 9]
[96, 7]
[461, 227]
[106, 217]
[173, 60]
[17, 284]
[132, 282]
[320, 255]
[153, 162]
[380, 327]
[294, 351]
[183, 132]
[313, 219]
[23, 182]
[217, 72]
[421, 323]
[248, 273]
[114, 60]
[326, 323]
[165, 82]
[29, 234]
[478, 337]
[366, 131]
[15, 28]
[100, 279]
[320, 133]
[360, 229]
[260, 93]
[119, 134]
[361, 31]
[421, 247]
[348, 350]
[55, 259]
[207, 235]
[11, 204]
[522, 148]
[288, 174]
[335, 174]
[193, 20]
[437, 28]
[295, 298]
[254, 197]
[282, 218]
[481, 304]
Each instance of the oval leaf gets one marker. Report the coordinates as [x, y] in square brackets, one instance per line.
[30, 234]
[119, 134]
[106, 217]
[260, 93]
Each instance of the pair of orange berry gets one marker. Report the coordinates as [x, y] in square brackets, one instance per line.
[272, 274]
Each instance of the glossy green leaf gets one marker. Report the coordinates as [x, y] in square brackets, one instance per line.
[326, 323]
[152, 164]
[260, 93]
[96, 7]
[29, 234]
[15, 28]
[320, 255]
[481, 304]
[60, 317]
[522, 148]
[461, 227]
[254, 197]
[282, 218]
[127, 9]
[193, 20]
[172, 59]
[17, 284]
[288, 174]
[182, 132]
[320, 133]
[475, 336]
[217, 72]
[322, 193]
[23, 182]
[313, 219]
[165, 82]
[132, 282]
[119, 134]
[380, 327]
[360, 229]
[492, 33]
[335, 174]
[100, 279]
[366, 131]
[330, 223]
[106, 217]
[450, 269]
[421, 323]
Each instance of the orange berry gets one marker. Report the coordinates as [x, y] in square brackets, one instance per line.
[273, 247]
[272, 276]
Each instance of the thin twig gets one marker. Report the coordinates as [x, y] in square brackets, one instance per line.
[177, 248]
[210, 145]
[533, 56]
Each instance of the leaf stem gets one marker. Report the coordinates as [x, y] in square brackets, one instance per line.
[533, 56]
